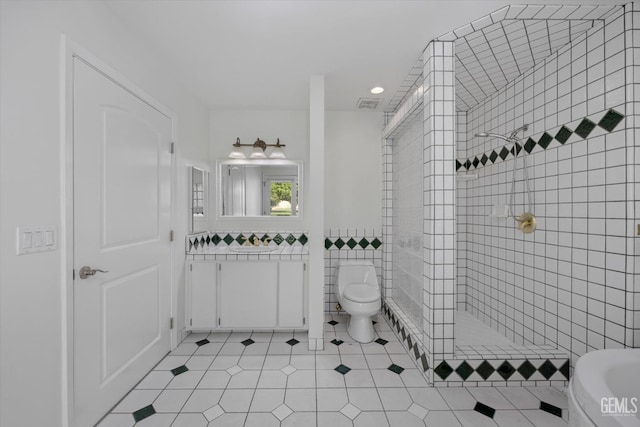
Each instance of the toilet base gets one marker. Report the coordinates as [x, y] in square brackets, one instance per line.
[361, 329]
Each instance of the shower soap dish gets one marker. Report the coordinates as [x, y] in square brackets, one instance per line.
[499, 211]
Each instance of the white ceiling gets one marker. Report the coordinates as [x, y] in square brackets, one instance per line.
[259, 54]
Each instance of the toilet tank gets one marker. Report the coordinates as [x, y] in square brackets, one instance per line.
[360, 271]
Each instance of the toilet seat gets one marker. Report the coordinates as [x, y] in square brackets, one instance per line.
[361, 292]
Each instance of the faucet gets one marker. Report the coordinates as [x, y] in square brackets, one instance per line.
[256, 241]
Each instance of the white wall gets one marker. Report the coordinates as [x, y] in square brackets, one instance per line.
[31, 289]
[353, 171]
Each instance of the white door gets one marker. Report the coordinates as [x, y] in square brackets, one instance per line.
[201, 296]
[121, 224]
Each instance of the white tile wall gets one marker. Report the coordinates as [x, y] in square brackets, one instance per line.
[334, 255]
[439, 186]
[565, 284]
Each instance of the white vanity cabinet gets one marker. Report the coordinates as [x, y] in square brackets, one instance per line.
[201, 295]
[246, 295]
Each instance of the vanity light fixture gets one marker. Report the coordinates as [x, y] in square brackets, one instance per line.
[258, 152]
[377, 90]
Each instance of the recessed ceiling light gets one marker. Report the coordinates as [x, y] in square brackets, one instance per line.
[377, 90]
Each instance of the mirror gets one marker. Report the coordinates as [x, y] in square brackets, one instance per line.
[260, 188]
[199, 180]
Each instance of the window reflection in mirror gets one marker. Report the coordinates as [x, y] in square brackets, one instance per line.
[259, 188]
[199, 186]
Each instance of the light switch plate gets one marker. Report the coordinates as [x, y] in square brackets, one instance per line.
[36, 239]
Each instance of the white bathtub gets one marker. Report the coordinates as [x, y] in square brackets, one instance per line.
[605, 389]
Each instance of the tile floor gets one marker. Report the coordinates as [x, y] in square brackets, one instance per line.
[272, 379]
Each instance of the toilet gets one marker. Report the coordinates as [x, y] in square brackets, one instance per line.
[358, 293]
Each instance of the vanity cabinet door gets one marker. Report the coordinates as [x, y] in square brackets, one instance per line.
[248, 294]
[201, 295]
[291, 294]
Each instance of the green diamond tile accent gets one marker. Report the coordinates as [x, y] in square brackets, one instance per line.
[545, 140]
[351, 243]
[584, 128]
[240, 239]
[563, 134]
[339, 243]
[278, 239]
[216, 239]
[303, 240]
[327, 243]
[610, 120]
[143, 413]
[228, 239]
[264, 237]
[290, 239]
[464, 370]
[376, 243]
[363, 243]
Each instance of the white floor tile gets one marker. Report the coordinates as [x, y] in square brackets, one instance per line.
[214, 379]
[199, 363]
[261, 420]
[276, 361]
[186, 380]
[333, 419]
[458, 398]
[354, 361]
[418, 410]
[172, 400]
[117, 420]
[542, 418]
[366, 399]
[201, 400]
[520, 397]
[403, 419]
[224, 362]
[429, 398]
[236, 400]
[550, 395]
[155, 380]
[228, 420]
[490, 396]
[511, 418]
[303, 361]
[386, 378]
[441, 419]
[331, 399]
[190, 420]
[267, 400]
[371, 419]
[395, 399]
[329, 378]
[251, 362]
[300, 419]
[301, 400]
[302, 379]
[272, 379]
[267, 383]
[282, 412]
[157, 420]
[136, 399]
[359, 378]
[474, 419]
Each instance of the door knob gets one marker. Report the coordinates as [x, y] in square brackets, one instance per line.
[87, 271]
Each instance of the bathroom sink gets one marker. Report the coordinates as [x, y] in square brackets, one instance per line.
[252, 249]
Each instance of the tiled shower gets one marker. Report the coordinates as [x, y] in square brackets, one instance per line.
[571, 286]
